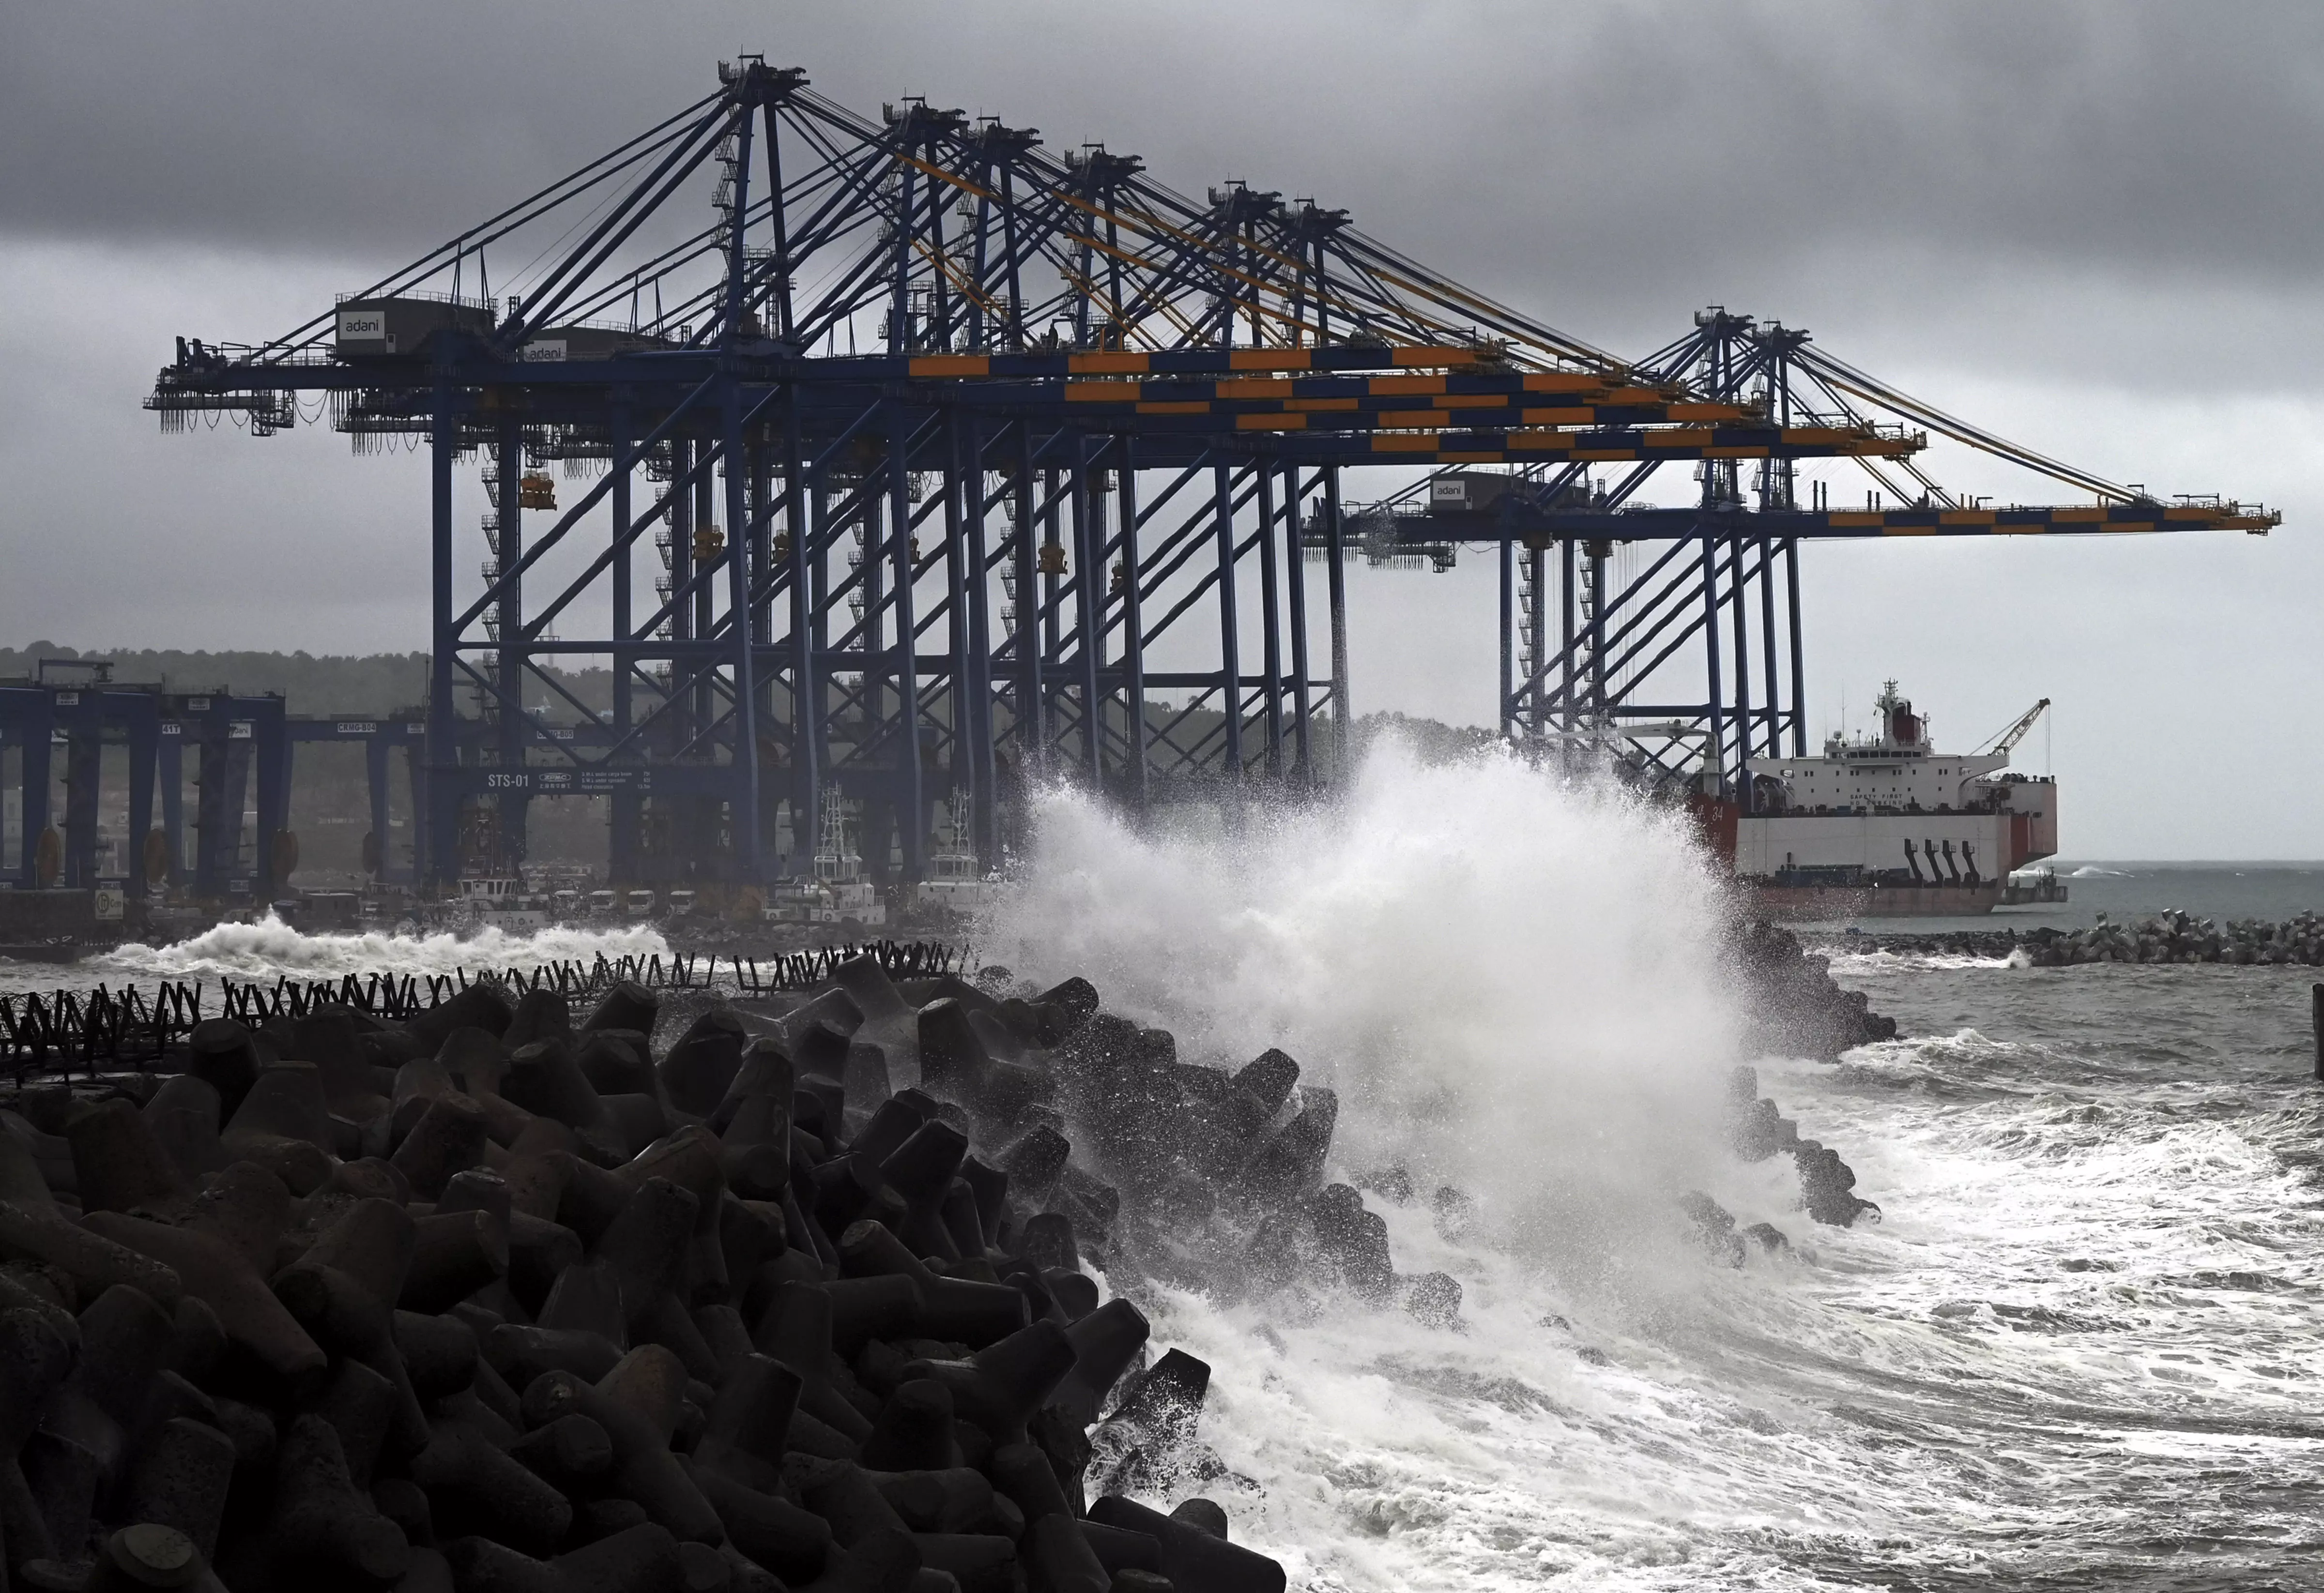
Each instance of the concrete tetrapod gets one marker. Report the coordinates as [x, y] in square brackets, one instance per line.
[476, 1301]
[1191, 1557]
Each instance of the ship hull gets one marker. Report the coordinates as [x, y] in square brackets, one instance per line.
[1989, 844]
[1816, 902]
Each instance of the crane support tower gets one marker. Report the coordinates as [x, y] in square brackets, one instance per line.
[968, 462]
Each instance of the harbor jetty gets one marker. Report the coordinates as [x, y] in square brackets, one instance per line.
[827, 1285]
[2164, 937]
[2181, 938]
[502, 1295]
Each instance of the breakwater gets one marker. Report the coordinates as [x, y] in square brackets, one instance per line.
[1793, 1005]
[2181, 938]
[655, 1293]
[2159, 938]
[499, 1295]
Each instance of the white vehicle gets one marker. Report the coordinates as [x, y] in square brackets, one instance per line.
[603, 904]
[638, 903]
[567, 905]
[680, 903]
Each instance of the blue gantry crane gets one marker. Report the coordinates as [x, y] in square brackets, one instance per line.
[952, 459]
[1592, 678]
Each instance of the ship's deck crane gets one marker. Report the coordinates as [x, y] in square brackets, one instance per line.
[2008, 738]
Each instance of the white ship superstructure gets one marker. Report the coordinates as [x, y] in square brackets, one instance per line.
[957, 884]
[848, 896]
[1889, 810]
[503, 902]
[839, 892]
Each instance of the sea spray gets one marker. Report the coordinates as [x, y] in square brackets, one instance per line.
[2081, 1352]
[1519, 988]
[270, 947]
[1513, 981]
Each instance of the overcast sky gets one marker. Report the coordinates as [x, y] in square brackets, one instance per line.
[2093, 227]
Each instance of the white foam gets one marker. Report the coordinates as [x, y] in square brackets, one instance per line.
[1845, 963]
[1513, 984]
[1847, 1409]
[1508, 983]
[271, 948]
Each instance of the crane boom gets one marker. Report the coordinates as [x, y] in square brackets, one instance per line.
[2015, 733]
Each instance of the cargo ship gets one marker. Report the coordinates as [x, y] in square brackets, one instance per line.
[1886, 826]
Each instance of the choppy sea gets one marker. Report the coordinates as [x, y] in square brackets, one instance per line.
[2084, 1349]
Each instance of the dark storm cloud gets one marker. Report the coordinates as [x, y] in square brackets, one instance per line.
[1615, 150]
[2093, 227]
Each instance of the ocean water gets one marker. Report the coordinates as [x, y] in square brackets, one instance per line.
[2081, 1351]
[2084, 1349]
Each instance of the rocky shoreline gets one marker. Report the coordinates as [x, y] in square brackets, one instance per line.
[490, 1300]
[1794, 1005]
[2164, 937]
[687, 1294]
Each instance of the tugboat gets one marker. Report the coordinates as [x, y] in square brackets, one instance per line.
[1885, 825]
[2033, 888]
[837, 892]
[848, 897]
[503, 902]
[957, 884]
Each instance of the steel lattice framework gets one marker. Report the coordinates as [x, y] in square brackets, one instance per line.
[1585, 678]
[1123, 408]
